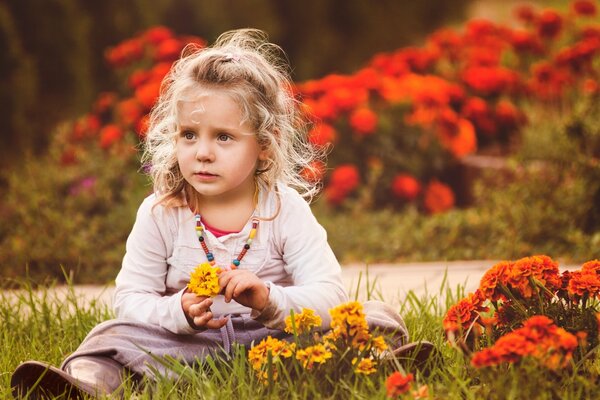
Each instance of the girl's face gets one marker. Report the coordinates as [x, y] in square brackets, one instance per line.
[217, 150]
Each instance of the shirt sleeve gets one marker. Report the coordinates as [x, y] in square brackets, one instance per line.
[309, 260]
[140, 292]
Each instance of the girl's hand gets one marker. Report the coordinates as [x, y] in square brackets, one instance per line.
[244, 287]
[197, 311]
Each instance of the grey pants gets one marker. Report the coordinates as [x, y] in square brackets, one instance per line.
[136, 345]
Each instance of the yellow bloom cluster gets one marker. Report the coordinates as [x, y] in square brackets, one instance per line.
[303, 322]
[313, 354]
[349, 344]
[259, 355]
[204, 280]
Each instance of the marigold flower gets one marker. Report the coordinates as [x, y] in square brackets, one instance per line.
[490, 80]
[204, 280]
[322, 134]
[584, 283]
[584, 7]
[147, 94]
[109, 135]
[363, 120]
[157, 34]
[317, 354]
[129, 111]
[398, 383]
[345, 177]
[461, 316]
[539, 338]
[593, 265]
[303, 322]
[493, 277]
[406, 187]
[258, 356]
[549, 24]
[438, 197]
[168, 50]
[365, 366]
[349, 319]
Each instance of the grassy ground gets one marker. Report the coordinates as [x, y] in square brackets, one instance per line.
[35, 325]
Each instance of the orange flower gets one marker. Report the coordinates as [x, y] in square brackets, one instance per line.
[345, 177]
[129, 111]
[542, 268]
[584, 7]
[313, 172]
[109, 135]
[461, 316]
[584, 283]
[157, 34]
[539, 338]
[168, 50]
[478, 112]
[456, 134]
[406, 187]
[549, 24]
[137, 78]
[496, 275]
[438, 197]
[322, 134]
[593, 265]
[490, 80]
[147, 94]
[397, 384]
[363, 120]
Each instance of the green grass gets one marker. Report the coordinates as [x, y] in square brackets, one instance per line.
[34, 324]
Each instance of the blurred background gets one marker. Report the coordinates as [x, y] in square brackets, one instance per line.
[458, 129]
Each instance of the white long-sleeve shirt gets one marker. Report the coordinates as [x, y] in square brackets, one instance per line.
[290, 254]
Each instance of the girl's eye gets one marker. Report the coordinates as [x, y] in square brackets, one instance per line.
[223, 137]
[188, 135]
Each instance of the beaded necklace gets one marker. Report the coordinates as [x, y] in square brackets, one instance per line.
[236, 261]
[210, 257]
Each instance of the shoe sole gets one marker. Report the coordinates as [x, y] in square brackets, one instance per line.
[37, 380]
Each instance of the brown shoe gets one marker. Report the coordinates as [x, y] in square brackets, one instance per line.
[37, 380]
[419, 355]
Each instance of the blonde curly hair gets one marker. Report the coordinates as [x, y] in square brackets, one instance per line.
[254, 73]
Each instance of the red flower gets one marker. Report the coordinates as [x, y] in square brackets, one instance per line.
[406, 187]
[157, 34]
[129, 111]
[345, 177]
[539, 338]
[462, 315]
[397, 384]
[104, 102]
[476, 110]
[526, 42]
[584, 7]
[525, 13]
[137, 78]
[322, 134]
[490, 80]
[456, 134]
[363, 121]
[438, 197]
[109, 135]
[495, 276]
[549, 24]
[168, 50]
[313, 172]
[508, 115]
[147, 94]
[141, 126]
[86, 126]
[124, 53]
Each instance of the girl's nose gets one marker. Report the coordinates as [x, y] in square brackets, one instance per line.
[205, 152]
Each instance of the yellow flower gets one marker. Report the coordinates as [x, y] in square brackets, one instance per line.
[258, 356]
[379, 344]
[204, 280]
[365, 366]
[348, 319]
[313, 354]
[303, 322]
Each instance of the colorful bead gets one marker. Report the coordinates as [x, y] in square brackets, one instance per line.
[210, 257]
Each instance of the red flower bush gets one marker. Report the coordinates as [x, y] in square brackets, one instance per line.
[528, 309]
[419, 109]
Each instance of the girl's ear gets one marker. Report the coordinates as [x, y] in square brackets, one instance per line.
[264, 155]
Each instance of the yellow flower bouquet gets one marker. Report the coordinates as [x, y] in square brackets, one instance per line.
[204, 280]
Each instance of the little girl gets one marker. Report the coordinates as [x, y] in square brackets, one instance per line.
[225, 146]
